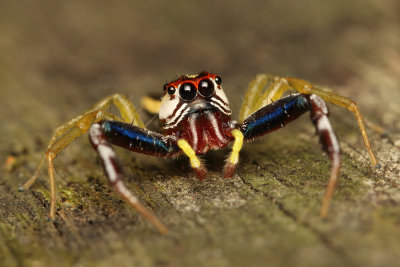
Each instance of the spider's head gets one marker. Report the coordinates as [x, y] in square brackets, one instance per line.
[190, 94]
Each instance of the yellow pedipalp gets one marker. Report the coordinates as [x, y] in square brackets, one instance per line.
[237, 146]
[188, 150]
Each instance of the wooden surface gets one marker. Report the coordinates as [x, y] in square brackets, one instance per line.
[57, 59]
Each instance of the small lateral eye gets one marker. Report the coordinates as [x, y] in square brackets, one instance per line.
[218, 80]
[187, 91]
[206, 88]
[170, 89]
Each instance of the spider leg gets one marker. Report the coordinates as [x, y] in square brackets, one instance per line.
[277, 114]
[136, 139]
[59, 131]
[81, 126]
[255, 98]
[277, 86]
[306, 88]
[72, 129]
[328, 139]
[125, 107]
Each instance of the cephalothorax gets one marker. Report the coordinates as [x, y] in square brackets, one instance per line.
[195, 117]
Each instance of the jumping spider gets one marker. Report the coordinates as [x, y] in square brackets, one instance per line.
[195, 117]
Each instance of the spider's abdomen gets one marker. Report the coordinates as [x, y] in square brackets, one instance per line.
[205, 130]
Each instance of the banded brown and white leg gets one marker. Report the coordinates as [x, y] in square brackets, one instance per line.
[114, 174]
[277, 114]
[319, 116]
[305, 87]
[276, 86]
[72, 129]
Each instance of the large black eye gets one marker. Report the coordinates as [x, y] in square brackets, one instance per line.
[206, 88]
[187, 91]
[218, 80]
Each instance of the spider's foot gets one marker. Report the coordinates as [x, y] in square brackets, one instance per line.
[229, 170]
[201, 173]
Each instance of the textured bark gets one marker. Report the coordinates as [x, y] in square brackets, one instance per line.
[57, 59]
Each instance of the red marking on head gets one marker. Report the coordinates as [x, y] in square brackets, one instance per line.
[193, 79]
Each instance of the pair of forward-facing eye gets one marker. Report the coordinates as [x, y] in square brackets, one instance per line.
[188, 91]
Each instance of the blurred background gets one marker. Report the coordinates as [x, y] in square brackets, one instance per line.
[59, 57]
[68, 53]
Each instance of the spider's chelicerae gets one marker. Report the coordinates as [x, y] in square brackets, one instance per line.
[195, 117]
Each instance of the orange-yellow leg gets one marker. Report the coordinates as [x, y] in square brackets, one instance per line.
[253, 93]
[125, 107]
[262, 90]
[81, 127]
[72, 129]
[58, 132]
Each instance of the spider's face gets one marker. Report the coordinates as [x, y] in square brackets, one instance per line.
[190, 94]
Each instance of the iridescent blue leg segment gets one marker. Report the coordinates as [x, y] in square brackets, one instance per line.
[138, 139]
[274, 116]
[277, 114]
